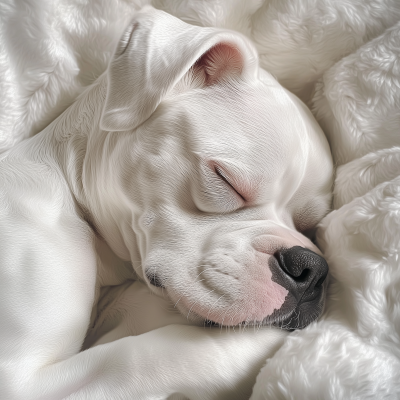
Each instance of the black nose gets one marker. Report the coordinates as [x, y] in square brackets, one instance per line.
[304, 269]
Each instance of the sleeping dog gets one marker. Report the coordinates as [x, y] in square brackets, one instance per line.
[190, 168]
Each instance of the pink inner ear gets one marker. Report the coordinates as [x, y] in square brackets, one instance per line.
[220, 62]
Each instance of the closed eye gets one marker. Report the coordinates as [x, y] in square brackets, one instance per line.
[222, 175]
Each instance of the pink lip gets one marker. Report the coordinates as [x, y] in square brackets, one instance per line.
[259, 297]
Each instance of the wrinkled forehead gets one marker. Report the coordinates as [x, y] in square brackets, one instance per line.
[256, 125]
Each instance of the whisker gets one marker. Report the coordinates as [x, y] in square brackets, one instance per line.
[187, 291]
[204, 271]
[197, 301]
[213, 306]
[226, 313]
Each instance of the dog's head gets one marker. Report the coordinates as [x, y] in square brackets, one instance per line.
[213, 171]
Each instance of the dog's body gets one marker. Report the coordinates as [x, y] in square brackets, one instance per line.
[200, 175]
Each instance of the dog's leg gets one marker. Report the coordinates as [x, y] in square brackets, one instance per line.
[198, 362]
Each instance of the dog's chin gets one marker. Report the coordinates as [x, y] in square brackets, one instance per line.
[289, 317]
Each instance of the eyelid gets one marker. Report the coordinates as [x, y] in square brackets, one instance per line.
[220, 172]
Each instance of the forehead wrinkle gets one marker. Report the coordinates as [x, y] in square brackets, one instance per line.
[245, 129]
[251, 112]
[226, 125]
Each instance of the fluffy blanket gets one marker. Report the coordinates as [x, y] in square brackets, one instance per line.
[343, 59]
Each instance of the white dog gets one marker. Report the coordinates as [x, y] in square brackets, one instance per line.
[196, 166]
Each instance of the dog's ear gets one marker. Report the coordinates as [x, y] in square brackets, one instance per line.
[155, 52]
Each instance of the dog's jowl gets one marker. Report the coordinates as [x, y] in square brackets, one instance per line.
[199, 172]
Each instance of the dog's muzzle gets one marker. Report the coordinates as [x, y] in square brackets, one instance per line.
[302, 273]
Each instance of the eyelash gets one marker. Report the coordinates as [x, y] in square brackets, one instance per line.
[220, 173]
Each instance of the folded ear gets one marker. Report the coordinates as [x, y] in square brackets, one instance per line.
[155, 52]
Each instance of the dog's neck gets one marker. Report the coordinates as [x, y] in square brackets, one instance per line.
[86, 155]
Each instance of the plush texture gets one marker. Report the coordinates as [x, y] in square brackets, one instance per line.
[354, 351]
[51, 50]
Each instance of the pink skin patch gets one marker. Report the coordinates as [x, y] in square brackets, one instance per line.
[258, 296]
[267, 294]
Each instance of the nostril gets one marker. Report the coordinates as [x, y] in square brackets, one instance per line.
[303, 266]
[303, 276]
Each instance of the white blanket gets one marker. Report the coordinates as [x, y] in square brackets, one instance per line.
[50, 50]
